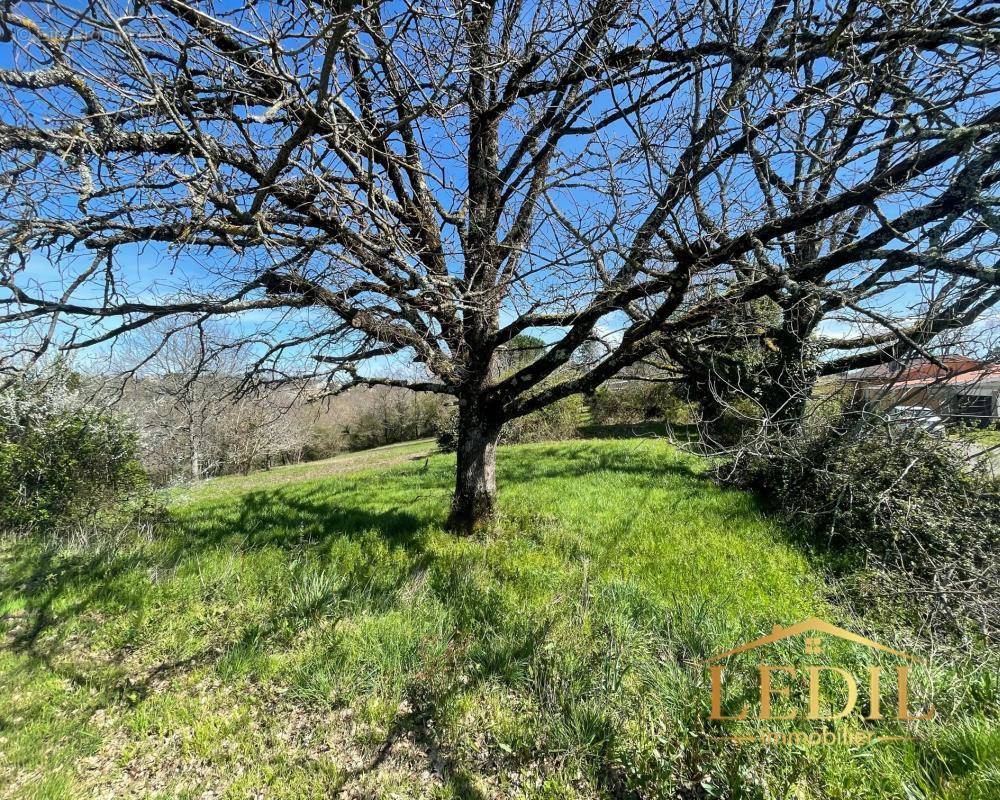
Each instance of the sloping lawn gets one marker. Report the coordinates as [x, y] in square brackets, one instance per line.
[297, 636]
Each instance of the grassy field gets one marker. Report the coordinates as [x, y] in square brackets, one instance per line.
[378, 458]
[312, 632]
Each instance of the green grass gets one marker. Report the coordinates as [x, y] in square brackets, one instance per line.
[313, 630]
[376, 458]
[985, 437]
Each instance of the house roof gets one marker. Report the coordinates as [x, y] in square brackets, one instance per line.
[954, 370]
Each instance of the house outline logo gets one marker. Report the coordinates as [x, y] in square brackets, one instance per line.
[778, 680]
[813, 624]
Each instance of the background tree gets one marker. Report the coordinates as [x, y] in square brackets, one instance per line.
[425, 183]
[898, 274]
[179, 382]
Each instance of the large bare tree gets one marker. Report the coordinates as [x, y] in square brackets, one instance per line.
[425, 182]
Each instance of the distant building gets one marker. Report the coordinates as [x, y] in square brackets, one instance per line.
[960, 390]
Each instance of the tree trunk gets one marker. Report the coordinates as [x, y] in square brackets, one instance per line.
[792, 376]
[473, 506]
[790, 384]
[784, 402]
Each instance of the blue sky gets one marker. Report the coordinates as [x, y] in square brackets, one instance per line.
[155, 272]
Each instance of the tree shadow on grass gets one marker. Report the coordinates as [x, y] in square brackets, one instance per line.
[44, 575]
[400, 510]
[58, 588]
[296, 518]
[576, 460]
[292, 519]
[418, 724]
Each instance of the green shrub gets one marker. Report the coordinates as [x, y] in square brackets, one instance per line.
[637, 401]
[899, 501]
[60, 460]
[447, 436]
[556, 422]
[736, 421]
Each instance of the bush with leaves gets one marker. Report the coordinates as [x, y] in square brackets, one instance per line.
[392, 416]
[555, 422]
[900, 501]
[561, 420]
[61, 460]
[636, 402]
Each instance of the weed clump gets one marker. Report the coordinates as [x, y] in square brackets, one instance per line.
[898, 502]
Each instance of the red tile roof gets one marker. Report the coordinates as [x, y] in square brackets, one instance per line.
[956, 370]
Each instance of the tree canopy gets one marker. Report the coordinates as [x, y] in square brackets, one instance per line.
[427, 182]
